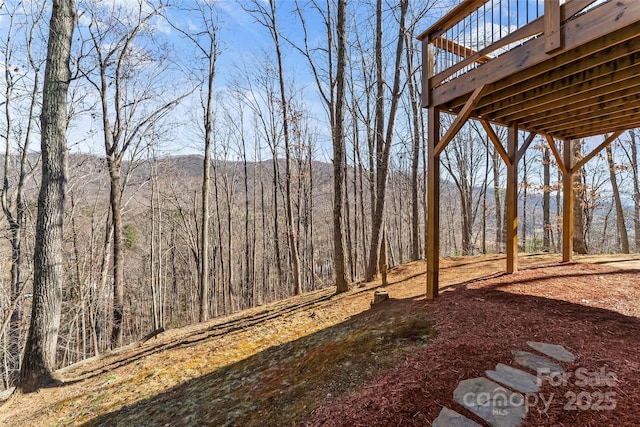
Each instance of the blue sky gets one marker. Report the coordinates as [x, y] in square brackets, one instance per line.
[244, 40]
[245, 43]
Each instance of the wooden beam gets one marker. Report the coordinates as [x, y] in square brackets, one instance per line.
[496, 142]
[525, 146]
[552, 41]
[460, 120]
[556, 154]
[433, 203]
[512, 201]
[608, 140]
[596, 25]
[567, 204]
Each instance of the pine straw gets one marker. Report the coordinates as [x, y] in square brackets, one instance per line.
[591, 310]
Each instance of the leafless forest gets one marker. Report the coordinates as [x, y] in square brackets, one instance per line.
[157, 240]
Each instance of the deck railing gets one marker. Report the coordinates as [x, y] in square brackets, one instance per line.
[477, 31]
[481, 28]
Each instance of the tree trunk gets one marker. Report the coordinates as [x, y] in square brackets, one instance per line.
[415, 154]
[339, 267]
[203, 314]
[16, 218]
[466, 196]
[620, 224]
[546, 200]
[525, 194]
[485, 186]
[384, 143]
[248, 241]
[115, 200]
[40, 352]
[220, 290]
[293, 239]
[376, 213]
[579, 241]
[636, 190]
[498, 199]
[347, 223]
[558, 244]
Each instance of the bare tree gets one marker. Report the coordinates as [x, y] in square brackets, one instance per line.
[416, 118]
[463, 161]
[579, 204]
[125, 67]
[207, 46]
[636, 188]
[258, 91]
[40, 353]
[384, 142]
[620, 223]
[498, 190]
[267, 17]
[339, 151]
[546, 199]
[332, 90]
[19, 82]
[632, 157]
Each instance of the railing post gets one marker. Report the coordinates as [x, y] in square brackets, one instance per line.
[428, 68]
[553, 40]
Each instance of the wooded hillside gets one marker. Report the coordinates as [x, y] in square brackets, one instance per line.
[309, 164]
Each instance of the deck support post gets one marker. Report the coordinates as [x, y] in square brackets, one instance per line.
[512, 200]
[567, 203]
[433, 203]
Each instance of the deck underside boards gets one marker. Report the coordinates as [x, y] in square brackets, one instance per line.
[590, 89]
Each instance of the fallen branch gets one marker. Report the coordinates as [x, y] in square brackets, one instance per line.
[151, 335]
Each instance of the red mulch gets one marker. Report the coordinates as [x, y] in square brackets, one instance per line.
[591, 310]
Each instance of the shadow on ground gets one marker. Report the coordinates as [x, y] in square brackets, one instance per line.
[282, 385]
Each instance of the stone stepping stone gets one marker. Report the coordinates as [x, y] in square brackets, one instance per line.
[540, 364]
[558, 352]
[450, 418]
[518, 380]
[493, 403]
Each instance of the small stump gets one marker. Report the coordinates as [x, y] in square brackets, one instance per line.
[379, 296]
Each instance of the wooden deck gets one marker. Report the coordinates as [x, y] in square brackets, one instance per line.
[567, 71]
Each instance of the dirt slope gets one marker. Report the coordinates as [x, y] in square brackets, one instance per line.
[274, 365]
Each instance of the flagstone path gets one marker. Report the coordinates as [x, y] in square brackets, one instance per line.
[500, 400]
